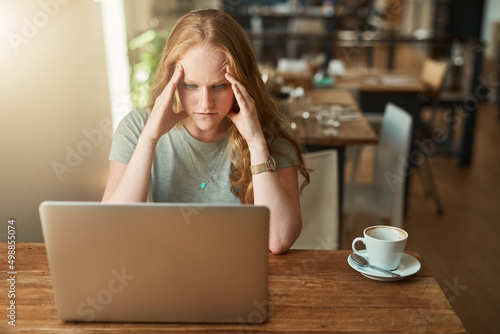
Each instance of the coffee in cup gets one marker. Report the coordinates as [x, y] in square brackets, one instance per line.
[384, 245]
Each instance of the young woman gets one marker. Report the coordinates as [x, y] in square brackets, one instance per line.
[212, 134]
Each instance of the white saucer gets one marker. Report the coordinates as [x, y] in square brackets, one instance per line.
[408, 266]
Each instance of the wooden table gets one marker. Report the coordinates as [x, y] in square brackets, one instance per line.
[372, 80]
[376, 88]
[358, 132]
[309, 292]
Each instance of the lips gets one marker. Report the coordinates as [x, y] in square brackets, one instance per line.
[206, 114]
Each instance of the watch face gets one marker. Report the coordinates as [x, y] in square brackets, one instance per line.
[271, 163]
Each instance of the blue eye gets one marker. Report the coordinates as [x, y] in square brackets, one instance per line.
[220, 87]
[189, 86]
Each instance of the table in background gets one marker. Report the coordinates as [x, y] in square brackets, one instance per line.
[376, 88]
[309, 291]
[351, 132]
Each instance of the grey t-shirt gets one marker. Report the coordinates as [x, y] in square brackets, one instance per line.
[182, 163]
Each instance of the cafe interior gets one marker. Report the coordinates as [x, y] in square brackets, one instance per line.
[396, 104]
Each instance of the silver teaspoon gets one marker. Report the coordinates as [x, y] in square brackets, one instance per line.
[361, 261]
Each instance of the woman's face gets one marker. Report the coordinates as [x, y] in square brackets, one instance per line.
[204, 92]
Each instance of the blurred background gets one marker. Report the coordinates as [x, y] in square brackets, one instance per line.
[71, 69]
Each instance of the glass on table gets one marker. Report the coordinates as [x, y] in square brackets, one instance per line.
[328, 117]
[300, 107]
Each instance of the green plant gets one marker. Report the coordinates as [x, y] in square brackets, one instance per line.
[144, 54]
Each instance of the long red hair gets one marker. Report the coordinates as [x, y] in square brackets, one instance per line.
[218, 31]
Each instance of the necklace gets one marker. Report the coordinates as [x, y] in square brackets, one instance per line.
[204, 184]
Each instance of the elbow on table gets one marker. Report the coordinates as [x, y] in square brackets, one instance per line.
[280, 246]
[277, 250]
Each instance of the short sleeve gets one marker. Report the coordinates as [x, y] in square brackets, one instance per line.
[282, 150]
[126, 136]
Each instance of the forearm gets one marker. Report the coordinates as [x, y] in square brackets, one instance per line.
[285, 219]
[134, 184]
[276, 190]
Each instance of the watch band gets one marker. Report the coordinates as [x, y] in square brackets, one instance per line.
[269, 165]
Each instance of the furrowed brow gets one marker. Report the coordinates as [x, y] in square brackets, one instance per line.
[215, 83]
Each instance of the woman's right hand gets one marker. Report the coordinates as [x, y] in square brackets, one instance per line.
[162, 117]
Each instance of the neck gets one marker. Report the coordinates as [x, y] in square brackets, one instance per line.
[206, 136]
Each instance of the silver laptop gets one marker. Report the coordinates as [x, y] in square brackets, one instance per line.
[157, 262]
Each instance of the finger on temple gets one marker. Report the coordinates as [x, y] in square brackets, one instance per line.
[169, 89]
[231, 77]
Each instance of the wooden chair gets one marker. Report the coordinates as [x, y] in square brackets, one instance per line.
[432, 75]
[319, 203]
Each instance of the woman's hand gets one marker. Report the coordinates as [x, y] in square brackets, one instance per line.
[246, 119]
[128, 183]
[162, 117]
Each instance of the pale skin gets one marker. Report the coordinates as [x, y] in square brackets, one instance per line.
[207, 89]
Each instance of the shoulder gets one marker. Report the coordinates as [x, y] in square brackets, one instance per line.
[133, 123]
[136, 117]
[278, 131]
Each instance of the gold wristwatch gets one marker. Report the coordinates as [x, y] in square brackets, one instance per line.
[269, 165]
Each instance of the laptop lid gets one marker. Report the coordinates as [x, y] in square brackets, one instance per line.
[157, 262]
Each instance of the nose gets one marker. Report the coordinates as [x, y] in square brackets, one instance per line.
[206, 101]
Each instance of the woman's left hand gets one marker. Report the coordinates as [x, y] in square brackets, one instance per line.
[246, 119]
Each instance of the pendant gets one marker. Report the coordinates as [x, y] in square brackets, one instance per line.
[203, 185]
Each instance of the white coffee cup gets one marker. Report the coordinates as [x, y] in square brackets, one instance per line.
[384, 245]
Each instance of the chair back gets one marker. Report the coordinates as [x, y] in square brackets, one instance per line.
[319, 203]
[391, 163]
[433, 73]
